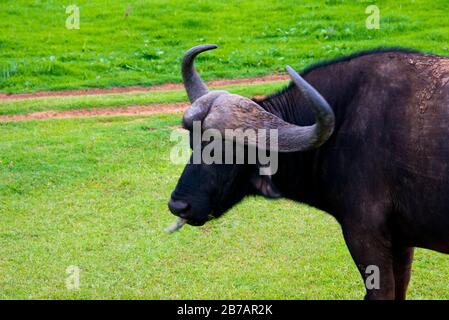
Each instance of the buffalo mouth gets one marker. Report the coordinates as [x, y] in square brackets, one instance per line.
[180, 222]
[197, 223]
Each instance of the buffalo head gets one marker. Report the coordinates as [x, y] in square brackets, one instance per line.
[208, 190]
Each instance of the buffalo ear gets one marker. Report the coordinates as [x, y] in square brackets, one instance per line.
[264, 186]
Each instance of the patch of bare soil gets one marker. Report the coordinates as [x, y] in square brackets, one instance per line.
[162, 87]
[96, 112]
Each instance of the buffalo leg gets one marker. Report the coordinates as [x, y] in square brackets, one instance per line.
[373, 255]
[402, 264]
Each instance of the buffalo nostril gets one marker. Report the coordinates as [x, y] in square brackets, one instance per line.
[177, 206]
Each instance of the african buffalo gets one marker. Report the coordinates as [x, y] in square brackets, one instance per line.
[364, 138]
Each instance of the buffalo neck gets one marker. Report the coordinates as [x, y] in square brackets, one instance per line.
[298, 176]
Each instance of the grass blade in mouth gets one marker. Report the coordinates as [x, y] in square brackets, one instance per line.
[178, 224]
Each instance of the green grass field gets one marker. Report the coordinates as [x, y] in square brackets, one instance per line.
[145, 47]
[92, 193]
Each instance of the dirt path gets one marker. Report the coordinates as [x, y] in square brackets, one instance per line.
[167, 86]
[96, 112]
[119, 111]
